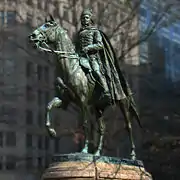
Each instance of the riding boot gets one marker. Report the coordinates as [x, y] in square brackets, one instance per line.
[104, 85]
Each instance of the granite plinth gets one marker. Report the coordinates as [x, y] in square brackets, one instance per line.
[86, 166]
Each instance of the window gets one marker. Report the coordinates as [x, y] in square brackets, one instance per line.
[176, 29]
[1, 162]
[143, 12]
[100, 8]
[166, 42]
[144, 48]
[29, 140]
[39, 97]
[144, 52]
[40, 142]
[39, 162]
[8, 17]
[46, 74]
[1, 139]
[40, 4]
[29, 20]
[7, 110]
[29, 117]
[66, 14]
[9, 114]
[176, 48]
[9, 66]
[1, 18]
[10, 162]
[47, 161]
[29, 69]
[11, 17]
[46, 97]
[154, 17]
[39, 72]
[29, 2]
[29, 163]
[46, 144]
[56, 145]
[40, 119]
[129, 42]
[10, 139]
[29, 93]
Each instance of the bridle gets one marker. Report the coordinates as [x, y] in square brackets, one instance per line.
[63, 54]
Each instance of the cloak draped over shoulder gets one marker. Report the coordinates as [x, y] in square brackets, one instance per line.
[115, 79]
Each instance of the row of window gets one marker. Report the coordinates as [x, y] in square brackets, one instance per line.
[8, 18]
[11, 162]
[8, 110]
[154, 16]
[43, 97]
[7, 162]
[9, 139]
[10, 114]
[42, 71]
[42, 142]
[40, 162]
[30, 118]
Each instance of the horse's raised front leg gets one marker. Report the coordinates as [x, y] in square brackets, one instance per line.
[127, 116]
[55, 102]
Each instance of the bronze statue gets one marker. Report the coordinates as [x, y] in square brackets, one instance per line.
[89, 43]
[90, 77]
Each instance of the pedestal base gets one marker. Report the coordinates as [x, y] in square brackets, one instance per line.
[81, 166]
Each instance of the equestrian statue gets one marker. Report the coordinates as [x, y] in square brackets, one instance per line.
[88, 75]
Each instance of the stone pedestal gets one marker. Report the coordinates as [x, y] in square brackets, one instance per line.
[80, 166]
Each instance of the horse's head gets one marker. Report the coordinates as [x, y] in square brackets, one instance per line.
[51, 33]
[46, 33]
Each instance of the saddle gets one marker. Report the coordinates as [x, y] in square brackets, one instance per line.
[84, 63]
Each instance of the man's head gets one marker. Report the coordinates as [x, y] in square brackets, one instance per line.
[86, 17]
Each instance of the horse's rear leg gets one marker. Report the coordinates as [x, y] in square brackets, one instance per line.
[101, 126]
[125, 110]
[86, 129]
[55, 102]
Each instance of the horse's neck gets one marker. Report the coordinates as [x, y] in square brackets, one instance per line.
[66, 65]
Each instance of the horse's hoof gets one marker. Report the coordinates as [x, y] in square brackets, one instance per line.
[97, 153]
[84, 151]
[133, 157]
[52, 132]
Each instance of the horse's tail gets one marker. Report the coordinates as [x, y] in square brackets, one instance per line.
[134, 112]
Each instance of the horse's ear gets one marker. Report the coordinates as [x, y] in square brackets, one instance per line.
[51, 17]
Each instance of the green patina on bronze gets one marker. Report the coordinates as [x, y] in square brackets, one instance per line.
[81, 157]
[88, 75]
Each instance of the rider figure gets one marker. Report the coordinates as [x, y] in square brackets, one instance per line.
[90, 43]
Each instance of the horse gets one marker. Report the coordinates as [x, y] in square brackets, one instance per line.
[73, 84]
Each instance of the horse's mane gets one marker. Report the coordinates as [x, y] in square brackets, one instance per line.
[65, 40]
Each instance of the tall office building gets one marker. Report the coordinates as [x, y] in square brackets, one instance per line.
[26, 85]
[165, 42]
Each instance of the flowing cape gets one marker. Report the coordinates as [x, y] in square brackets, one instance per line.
[116, 80]
[117, 83]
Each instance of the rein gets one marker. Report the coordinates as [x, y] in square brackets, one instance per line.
[62, 53]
